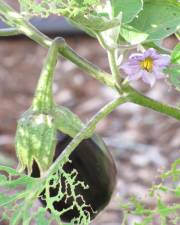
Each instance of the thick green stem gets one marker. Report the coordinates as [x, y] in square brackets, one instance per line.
[139, 99]
[86, 132]
[43, 99]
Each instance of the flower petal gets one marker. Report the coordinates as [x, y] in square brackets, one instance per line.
[148, 65]
[135, 76]
[129, 69]
[158, 73]
[136, 56]
[151, 52]
[162, 61]
[149, 78]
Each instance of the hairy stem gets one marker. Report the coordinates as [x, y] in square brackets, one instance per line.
[86, 132]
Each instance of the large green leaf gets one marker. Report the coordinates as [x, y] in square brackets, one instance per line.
[129, 9]
[132, 35]
[157, 20]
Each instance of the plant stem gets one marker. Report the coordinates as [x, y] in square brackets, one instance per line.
[87, 66]
[139, 99]
[43, 99]
[9, 32]
[113, 66]
[86, 132]
[111, 58]
[101, 41]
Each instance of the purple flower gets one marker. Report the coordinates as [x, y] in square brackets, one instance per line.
[148, 66]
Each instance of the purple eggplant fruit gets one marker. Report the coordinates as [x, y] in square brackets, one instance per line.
[95, 166]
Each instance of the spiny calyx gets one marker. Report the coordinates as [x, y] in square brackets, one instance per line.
[35, 140]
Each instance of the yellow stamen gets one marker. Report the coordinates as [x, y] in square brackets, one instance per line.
[147, 64]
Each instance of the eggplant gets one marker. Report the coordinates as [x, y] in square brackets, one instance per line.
[95, 166]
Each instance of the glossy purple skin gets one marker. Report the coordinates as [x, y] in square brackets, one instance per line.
[95, 167]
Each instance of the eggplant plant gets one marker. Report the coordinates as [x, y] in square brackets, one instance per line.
[63, 163]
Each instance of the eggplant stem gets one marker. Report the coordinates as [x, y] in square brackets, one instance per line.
[43, 99]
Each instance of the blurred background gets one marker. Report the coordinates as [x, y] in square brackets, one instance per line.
[142, 142]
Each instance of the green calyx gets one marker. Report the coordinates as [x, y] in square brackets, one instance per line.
[37, 128]
[35, 141]
[36, 136]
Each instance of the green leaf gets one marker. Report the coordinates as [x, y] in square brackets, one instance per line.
[16, 216]
[94, 23]
[174, 71]
[41, 217]
[175, 56]
[67, 122]
[129, 9]
[26, 217]
[59, 7]
[9, 170]
[174, 76]
[6, 199]
[163, 209]
[97, 22]
[132, 35]
[157, 20]
[158, 46]
[22, 181]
